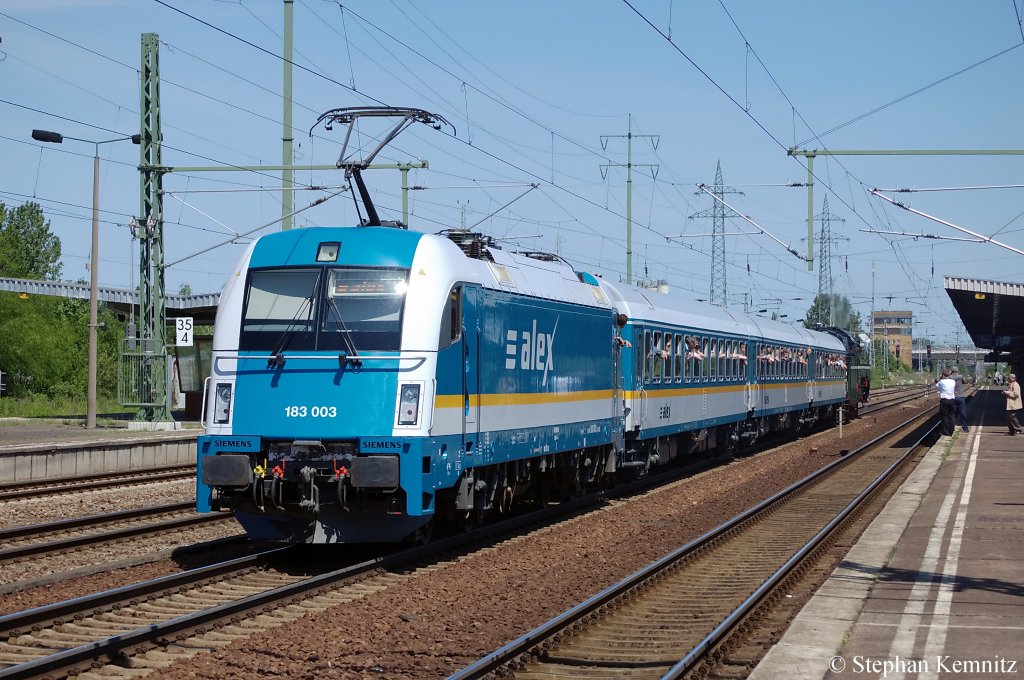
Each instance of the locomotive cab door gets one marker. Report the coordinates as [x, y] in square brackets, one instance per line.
[471, 366]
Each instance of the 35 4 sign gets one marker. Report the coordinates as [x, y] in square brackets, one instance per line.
[183, 331]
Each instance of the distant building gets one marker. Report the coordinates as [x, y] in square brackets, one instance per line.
[896, 329]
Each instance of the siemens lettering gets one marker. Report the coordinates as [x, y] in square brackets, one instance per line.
[380, 445]
[236, 444]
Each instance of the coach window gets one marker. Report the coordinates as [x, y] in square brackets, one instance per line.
[646, 358]
[722, 370]
[688, 361]
[705, 362]
[677, 358]
[734, 370]
[451, 319]
[713, 363]
[657, 358]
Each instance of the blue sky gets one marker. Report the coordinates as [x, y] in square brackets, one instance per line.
[531, 88]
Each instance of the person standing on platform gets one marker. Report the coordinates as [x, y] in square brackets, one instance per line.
[947, 402]
[961, 403]
[1013, 404]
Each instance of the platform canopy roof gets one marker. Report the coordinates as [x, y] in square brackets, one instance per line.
[992, 312]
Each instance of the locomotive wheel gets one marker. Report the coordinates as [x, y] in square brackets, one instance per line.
[423, 535]
[471, 519]
[726, 444]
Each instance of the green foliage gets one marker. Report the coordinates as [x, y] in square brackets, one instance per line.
[44, 341]
[44, 347]
[27, 248]
[37, 346]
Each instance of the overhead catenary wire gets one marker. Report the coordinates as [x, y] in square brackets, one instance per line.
[984, 238]
[476, 147]
[757, 226]
[319, 201]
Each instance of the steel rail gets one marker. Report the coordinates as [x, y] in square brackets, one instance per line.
[106, 518]
[115, 648]
[50, 487]
[13, 624]
[8, 554]
[549, 629]
[722, 629]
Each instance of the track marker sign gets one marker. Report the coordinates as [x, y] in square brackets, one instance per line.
[183, 331]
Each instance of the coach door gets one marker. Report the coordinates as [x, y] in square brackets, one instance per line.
[636, 402]
[618, 412]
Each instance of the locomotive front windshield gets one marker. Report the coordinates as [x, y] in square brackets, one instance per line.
[324, 308]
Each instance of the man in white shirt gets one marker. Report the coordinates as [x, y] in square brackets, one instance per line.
[946, 388]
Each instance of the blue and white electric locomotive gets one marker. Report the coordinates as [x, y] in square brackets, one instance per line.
[365, 379]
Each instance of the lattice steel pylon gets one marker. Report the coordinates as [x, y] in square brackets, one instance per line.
[143, 381]
[825, 239]
[719, 284]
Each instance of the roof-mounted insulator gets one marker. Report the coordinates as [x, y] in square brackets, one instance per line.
[474, 244]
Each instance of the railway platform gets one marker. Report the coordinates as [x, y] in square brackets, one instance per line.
[37, 449]
[934, 588]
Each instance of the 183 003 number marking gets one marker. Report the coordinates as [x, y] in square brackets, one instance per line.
[313, 411]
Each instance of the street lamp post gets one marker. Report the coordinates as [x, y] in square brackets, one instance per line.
[57, 138]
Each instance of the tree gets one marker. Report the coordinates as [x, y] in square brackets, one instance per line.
[28, 250]
[44, 340]
[843, 315]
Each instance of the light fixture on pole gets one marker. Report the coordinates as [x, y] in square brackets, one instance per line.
[57, 138]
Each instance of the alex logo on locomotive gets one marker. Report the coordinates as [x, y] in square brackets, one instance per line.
[534, 350]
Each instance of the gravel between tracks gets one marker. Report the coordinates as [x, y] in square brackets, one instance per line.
[25, 511]
[76, 571]
[446, 618]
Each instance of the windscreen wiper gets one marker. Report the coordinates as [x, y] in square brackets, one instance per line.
[345, 357]
[277, 358]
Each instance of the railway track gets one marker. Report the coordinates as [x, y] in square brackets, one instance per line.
[72, 534]
[155, 623]
[668, 619]
[52, 487]
[894, 397]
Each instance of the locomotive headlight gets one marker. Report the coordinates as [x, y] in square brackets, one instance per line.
[409, 404]
[222, 404]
